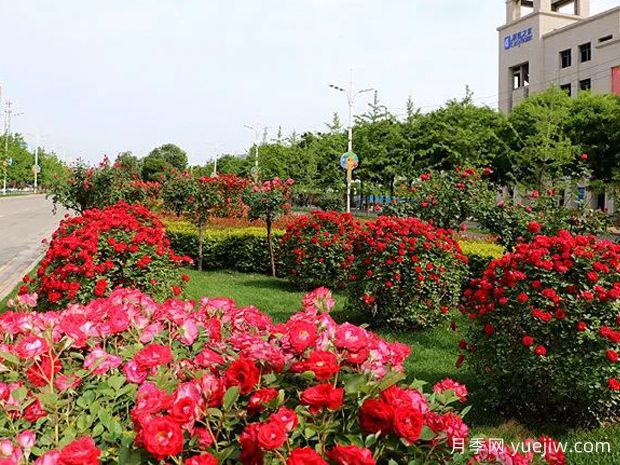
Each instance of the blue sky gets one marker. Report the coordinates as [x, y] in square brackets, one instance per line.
[97, 77]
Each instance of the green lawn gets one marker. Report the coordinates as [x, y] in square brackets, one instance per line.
[433, 357]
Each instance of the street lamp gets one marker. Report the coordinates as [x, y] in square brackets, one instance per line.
[350, 100]
[257, 129]
[8, 113]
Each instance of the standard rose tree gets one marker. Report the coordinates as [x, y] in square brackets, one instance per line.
[268, 201]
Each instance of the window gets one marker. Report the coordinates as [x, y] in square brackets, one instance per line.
[585, 84]
[520, 76]
[566, 58]
[567, 88]
[586, 52]
[606, 38]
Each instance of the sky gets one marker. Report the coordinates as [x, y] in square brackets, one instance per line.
[101, 77]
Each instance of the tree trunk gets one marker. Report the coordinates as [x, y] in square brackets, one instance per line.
[201, 233]
[270, 245]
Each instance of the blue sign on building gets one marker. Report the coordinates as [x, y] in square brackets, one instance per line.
[518, 38]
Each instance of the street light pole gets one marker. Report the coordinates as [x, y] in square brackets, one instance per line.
[257, 129]
[35, 168]
[7, 130]
[350, 100]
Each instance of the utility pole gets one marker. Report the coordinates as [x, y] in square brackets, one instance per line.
[350, 100]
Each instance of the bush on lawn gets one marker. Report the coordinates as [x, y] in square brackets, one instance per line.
[238, 249]
[127, 380]
[93, 253]
[317, 250]
[406, 273]
[546, 327]
[444, 198]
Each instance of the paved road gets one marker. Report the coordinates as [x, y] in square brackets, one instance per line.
[24, 222]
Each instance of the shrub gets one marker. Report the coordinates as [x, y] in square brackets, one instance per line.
[479, 255]
[537, 214]
[238, 249]
[91, 254]
[444, 198]
[406, 272]
[127, 380]
[317, 250]
[544, 331]
[269, 201]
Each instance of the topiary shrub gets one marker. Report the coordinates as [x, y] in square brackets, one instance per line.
[479, 255]
[317, 250]
[117, 246]
[545, 329]
[406, 273]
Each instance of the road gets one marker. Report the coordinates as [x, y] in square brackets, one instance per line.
[24, 222]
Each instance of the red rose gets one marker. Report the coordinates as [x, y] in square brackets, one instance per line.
[153, 355]
[527, 341]
[540, 350]
[260, 398]
[183, 410]
[271, 435]
[305, 456]
[351, 455]
[302, 335]
[489, 329]
[80, 452]
[534, 227]
[250, 451]
[613, 384]
[287, 417]
[243, 373]
[408, 423]
[376, 415]
[322, 396]
[162, 437]
[584, 156]
[581, 326]
[204, 459]
[40, 373]
[351, 337]
[322, 363]
[612, 356]
[34, 411]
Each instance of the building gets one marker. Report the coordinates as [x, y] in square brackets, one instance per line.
[548, 43]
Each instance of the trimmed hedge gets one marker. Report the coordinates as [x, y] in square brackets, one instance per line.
[479, 255]
[245, 249]
[237, 249]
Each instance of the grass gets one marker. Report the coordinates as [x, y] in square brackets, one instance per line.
[433, 358]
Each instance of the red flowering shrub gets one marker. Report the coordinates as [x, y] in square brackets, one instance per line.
[444, 198]
[317, 249]
[546, 327]
[406, 272]
[91, 254]
[539, 214]
[125, 376]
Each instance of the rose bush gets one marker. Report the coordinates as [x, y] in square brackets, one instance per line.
[126, 378]
[545, 329]
[444, 198]
[93, 253]
[317, 250]
[539, 213]
[269, 201]
[406, 272]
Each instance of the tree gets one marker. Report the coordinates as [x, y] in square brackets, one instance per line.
[543, 152]
[268, 201]
[594, 126]
[161, 158]
[129, 164]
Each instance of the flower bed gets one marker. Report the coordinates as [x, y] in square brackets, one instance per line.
[317, 250]
[406, 272]
[125, 378]
[547, 314]
[91, 254]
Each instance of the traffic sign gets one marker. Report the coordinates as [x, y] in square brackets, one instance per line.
[36, 169]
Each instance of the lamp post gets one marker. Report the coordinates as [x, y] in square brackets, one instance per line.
[8, 113]
[257, 130]
[350, 100]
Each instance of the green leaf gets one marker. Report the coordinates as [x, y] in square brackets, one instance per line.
[426, 434]
[230, 397]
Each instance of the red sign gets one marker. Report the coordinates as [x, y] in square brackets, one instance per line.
[615, 80]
